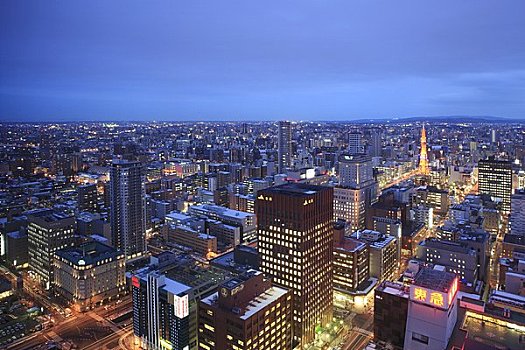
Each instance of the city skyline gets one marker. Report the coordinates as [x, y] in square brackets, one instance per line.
[239, 175]
[347, 61]
[262, 235]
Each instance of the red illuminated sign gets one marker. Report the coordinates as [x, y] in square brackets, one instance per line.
[135, 281]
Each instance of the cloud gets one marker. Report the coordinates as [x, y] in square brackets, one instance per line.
[310, 59]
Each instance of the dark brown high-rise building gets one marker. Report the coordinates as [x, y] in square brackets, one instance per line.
[390, 313]
[296, 247]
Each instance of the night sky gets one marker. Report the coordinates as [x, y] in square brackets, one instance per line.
[259, 60]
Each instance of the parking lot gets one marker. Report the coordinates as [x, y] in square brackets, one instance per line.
[16, 320]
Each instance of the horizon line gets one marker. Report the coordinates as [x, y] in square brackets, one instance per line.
[475, 118]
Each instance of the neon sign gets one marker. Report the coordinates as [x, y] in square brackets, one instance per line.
[420, 294]
[433, 297]
[453, 290]
[135, 282]
[437, 299]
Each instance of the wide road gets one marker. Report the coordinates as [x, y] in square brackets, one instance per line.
[402, 178]
[65, 327]
[361, 334]
[113, 341]
[115, 310]
[496, 253]
[83, 329]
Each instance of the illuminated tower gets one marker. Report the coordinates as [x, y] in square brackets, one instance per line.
[423, 159]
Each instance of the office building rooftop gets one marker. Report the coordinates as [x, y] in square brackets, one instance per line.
[435, 279]
[88, 253]
[295, 189]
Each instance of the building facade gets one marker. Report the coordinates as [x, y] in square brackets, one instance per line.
[357, 190]
[247, 313]
[375, 142]
[295, 243]
[160, 312]
[385, 252]
[432, 310]
[517, 213]
[16, 249]
[200, 243]
[88, 198]
[355, 143]
[47, 232]
[390, 313]
[128, 215]
[89, 274]
[246, 221]
[170, 281]
[456, 257]
[432, 197]
[351, 262]
[284, 144]
[495, 179]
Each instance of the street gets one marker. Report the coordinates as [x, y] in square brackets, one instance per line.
[84, 330]
[361, 334]
[400, 179]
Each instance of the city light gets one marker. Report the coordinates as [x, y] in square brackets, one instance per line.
[262, 175]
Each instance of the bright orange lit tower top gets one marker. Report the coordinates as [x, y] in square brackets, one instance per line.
[423, 159]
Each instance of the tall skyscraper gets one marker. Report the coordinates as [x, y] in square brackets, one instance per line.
[285, 145]
[517, 213]
[375, 142]
[355, 143]
[423, 158]
[295, 244]
[245, 128]
[128, 219]
[357, 190]
[493, 136]
[495, 179]
[47, 232]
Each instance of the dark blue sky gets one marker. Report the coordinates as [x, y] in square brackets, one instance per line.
[249, 60]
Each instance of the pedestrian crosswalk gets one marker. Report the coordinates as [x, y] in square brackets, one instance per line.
[363, 331]
[54, 336]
